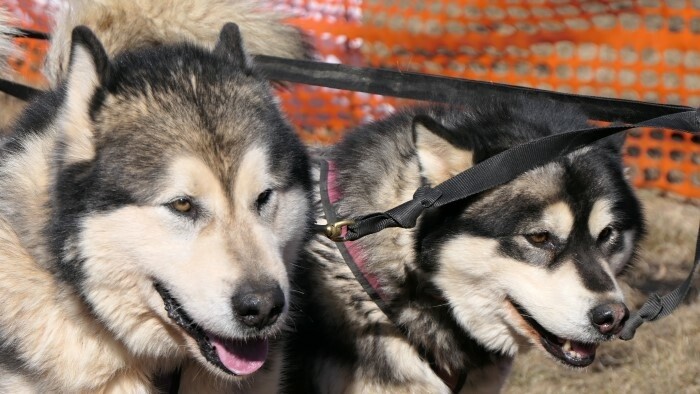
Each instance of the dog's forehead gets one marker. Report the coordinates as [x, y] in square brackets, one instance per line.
[565, 191]
[139, 134]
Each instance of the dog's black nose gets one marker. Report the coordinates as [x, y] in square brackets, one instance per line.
[258, 306]
[609, 318]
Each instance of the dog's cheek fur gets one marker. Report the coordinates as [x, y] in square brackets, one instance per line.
[33, 297]
[120, 250]
[468, 277]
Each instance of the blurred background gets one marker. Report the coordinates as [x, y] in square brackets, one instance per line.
[635, 49]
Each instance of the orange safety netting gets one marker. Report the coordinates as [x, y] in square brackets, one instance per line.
[644, 49]
[30, 14]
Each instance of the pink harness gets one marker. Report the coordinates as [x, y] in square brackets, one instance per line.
[355, 259]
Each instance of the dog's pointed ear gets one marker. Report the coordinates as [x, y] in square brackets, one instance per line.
[439, 158]
[89, 69]
[230, 46]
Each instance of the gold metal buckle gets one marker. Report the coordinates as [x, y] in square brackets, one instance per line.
[334, 230]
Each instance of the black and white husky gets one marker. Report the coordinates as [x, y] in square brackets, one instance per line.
[153, 205]
[532, 263]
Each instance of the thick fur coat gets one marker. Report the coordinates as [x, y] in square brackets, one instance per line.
[528, 264]
[154, 206]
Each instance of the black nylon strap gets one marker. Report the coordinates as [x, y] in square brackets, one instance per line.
[657, 306]
[425, 87]
[502, 168]
[22, 92]
[28, 33]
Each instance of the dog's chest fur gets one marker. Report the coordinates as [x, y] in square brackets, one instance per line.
[347, 343]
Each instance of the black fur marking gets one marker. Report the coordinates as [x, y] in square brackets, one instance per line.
[10, 358]
[79, 190]
[34, 120]
[591, 270]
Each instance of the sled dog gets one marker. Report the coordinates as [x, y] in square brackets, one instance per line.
[532, 263]
[154, 204]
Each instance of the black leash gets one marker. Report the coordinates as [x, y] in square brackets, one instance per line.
[22, 92]
[426, 87]
[657, 306]
[29, 33]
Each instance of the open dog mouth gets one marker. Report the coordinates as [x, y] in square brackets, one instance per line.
[234, 356]
[568, 351]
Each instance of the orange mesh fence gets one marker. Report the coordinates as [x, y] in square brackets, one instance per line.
[644, 49]
[34, 15]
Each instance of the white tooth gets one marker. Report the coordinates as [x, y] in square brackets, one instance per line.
[567, 346]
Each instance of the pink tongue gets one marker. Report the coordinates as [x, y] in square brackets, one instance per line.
[241, 357]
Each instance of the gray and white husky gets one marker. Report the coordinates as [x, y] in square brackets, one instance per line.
[154, 204]
[532, 263]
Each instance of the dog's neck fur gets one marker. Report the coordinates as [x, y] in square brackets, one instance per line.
[419, 309]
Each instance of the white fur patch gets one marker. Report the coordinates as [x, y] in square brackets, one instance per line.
[439, 159]
[558, 219]
[600, 217]
[74, 119]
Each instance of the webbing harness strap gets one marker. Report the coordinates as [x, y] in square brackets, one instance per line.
[455, 380]
[22, 92]
[657, 306]
[426, 87]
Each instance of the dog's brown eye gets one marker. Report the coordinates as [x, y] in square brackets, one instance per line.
[538, 238]
[182, 205]
[605, 234]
